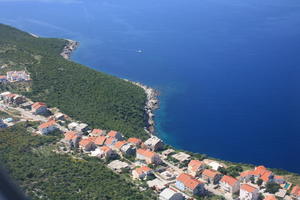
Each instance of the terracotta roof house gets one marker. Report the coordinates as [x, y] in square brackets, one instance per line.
[72, 138]
[47, 127]
[39, 108]
[97, 132]
[154, 143]
[270, 197]
[148, 156]
[186, 182]
[102, 152]
[229, 184]
[14, 76]
[195, 167]
[259, 172]
[248, 192]
[169, 194]
[119, 144]
[87, 144]
[279, 179]
[100, 140]
[115, 134]
[211, 176]
[295, 193]
[135, 141]
[141, 172]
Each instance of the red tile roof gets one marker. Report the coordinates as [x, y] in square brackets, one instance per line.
[47, 124]
[37, 105]
[296, 191]
[97, 131]
[229, 180]
[105, 149]
[195, 165]
[248, 188]
[70, 135]
[188, 181]
[85, 142]
[136, 141]
[143, 169]
[270, 197]
[110, 140]
[112, 133]
[146, 153]
[266, 175]
[119, 144]
[246, 173]
[210, 173]
[260, 170]
[100, 140]
[278, 177]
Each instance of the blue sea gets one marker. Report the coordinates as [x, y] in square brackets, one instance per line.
[228, 72]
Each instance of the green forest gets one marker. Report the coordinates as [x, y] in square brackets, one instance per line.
[101, 100]
[43, 174]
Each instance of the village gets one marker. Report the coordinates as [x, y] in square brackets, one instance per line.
[172, 174]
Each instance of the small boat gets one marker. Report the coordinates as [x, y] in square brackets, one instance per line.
[139, 51]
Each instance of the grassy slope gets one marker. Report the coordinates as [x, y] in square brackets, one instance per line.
[99, 99]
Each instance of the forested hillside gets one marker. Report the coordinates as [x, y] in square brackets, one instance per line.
[96, 98]
[43, 174]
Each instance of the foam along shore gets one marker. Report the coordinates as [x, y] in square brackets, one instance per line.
[69, 48]
[150, 106]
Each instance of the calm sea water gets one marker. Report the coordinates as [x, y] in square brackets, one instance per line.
[228, 71]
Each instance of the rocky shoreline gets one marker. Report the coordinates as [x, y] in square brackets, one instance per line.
[152, 104]
[69, 48]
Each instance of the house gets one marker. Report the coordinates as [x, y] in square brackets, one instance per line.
[154, 143]
[118, 165]
[103, 152]
[72, 138]
[267, 176]
[169, 194]
[82, 127]
[128, 149]
[3, 79]
[59, 116]
[181, 157]
[100, 140]
[111, 141]
[245, 176]
[295, 193]
[195, 167]
[39, 108]
[211, 176]
[229, 184]
[260, 172]
[97, 132]
[14, 76]
[119, 144]
[270, 197]
[135, 141]
[215, 165]
[186, 182]
[158, 184]
[47, 127]
[279, 180]
[141, 172]
[168, 152]
[72, 126]
[149, 156]
[87, 144]
[248, 192]
[115, 134]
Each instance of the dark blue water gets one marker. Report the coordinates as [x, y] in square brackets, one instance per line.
[228, 71]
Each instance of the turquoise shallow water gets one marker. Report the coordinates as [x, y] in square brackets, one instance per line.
[228, 71]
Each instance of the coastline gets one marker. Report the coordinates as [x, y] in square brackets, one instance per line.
[152, 102]
[69, 48]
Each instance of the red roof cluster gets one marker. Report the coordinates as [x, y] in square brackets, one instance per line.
[145, 153]
[210, 173]
[142, 170]
[100, 140]
[135, 141]
[70, 135]
[37, 105]
[112, 133]
[195, 165]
